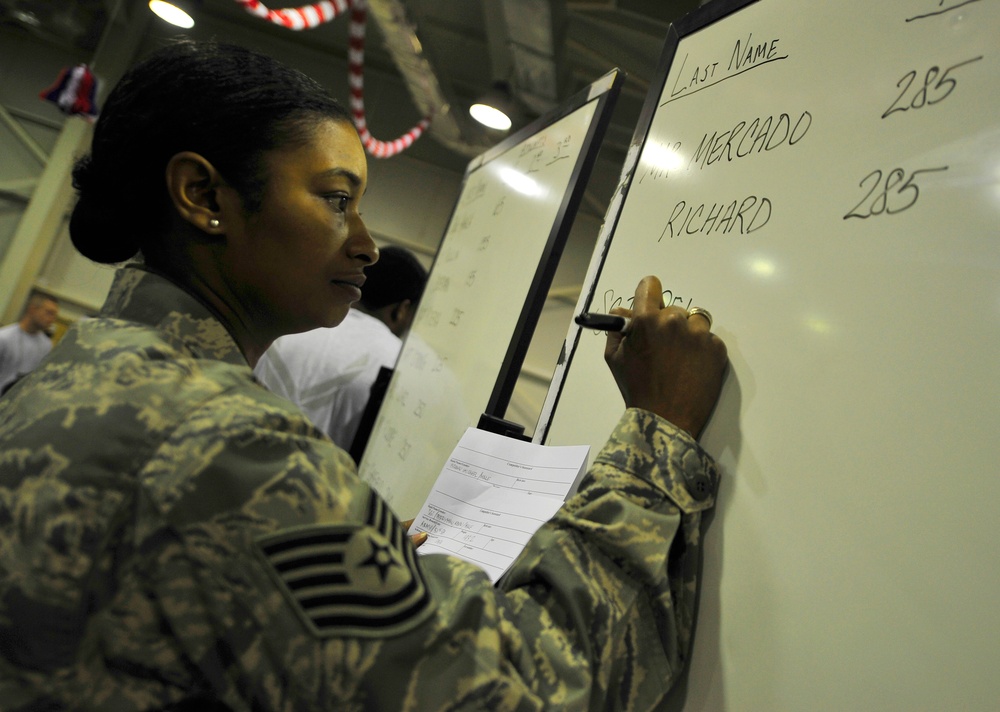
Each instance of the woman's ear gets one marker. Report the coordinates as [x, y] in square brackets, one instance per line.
[192, 184]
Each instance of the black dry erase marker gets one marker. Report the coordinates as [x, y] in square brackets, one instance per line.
[604, 322]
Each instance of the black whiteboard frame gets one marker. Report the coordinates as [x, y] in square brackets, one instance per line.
[692, 22]
[487, 382]
[517, 349]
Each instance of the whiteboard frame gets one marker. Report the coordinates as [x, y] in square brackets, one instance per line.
[677, 31]
[605, 91]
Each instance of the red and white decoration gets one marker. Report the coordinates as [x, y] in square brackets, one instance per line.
[309, 16]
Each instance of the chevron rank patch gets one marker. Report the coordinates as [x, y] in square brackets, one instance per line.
[351, 580]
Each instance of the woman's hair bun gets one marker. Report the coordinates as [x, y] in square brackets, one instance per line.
[92, 229]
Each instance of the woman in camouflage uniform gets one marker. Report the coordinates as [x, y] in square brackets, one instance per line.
[170, 530]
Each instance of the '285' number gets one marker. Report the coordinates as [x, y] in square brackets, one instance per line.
[888, 196]
[930, 92]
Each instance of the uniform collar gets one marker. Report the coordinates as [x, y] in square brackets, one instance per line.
[140, 295]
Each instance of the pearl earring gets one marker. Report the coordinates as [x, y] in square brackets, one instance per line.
[213, 223]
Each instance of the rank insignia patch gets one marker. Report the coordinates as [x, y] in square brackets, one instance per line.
[354, 580]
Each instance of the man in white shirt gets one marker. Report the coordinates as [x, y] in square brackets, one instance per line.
[25, 343]
[329, 373]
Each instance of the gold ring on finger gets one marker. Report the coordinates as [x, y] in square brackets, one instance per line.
[702, 313]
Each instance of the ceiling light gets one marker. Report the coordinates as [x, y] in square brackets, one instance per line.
[495, 108]
[27, 17]
[172, 12]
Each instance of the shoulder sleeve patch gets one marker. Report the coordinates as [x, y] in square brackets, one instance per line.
[353, 579]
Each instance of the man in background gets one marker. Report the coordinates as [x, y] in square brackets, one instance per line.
[25, 343]
[329, 373]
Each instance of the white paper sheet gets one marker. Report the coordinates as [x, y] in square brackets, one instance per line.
[493, 494]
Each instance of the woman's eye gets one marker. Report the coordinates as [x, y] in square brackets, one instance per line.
[340, 202]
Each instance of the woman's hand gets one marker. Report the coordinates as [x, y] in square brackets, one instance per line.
[668, 362]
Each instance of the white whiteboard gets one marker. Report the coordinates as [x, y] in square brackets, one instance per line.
[853, 560]
[483, 295]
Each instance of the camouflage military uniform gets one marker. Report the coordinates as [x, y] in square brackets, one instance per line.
[170, 528]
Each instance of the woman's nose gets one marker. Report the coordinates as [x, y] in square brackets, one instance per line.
[361, 244]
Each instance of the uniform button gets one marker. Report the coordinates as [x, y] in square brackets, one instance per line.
[698, 487]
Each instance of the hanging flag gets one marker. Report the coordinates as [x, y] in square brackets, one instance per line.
[74, 92]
